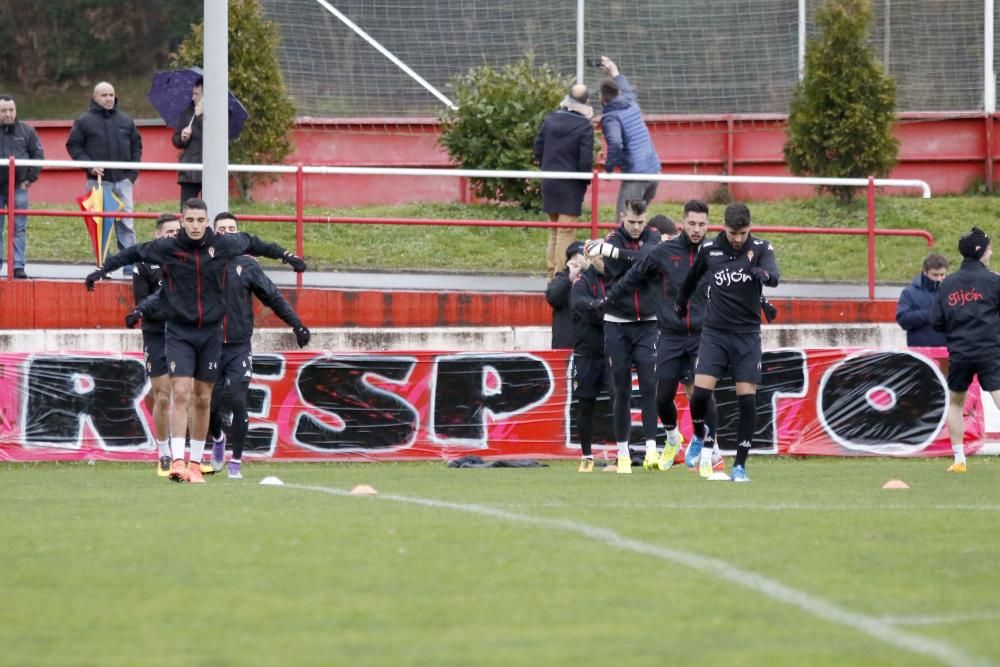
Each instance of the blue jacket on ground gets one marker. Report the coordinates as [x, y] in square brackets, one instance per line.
[629, 144]
[913, 313]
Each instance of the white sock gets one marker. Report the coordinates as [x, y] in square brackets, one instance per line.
[163, 447]
[587, 458]
[959, 452]
[197, 450]
[623, 450]
[673, 436]
[177, 448]
[651, 446]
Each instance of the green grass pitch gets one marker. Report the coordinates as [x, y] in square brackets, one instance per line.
[811, 564]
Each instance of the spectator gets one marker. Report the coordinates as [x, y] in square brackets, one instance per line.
[629, 144]
[188, 138]
[558, 295]
[591, 373]
[105, 134]
[913, 312]
[565, 142]
[21, 141]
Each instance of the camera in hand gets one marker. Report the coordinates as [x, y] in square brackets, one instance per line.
[594, 62]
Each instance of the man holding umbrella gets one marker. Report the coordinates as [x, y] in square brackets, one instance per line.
[105, 134]
[187, 137]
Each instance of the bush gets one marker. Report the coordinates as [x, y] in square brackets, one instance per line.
[499, 114]
[255, 79]
[842, 112]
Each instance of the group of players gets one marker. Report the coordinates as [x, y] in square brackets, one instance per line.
[193, 287]
[683, 311]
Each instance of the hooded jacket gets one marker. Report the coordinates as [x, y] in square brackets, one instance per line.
[629, 144]
[194, 272]
[666, 266]
[967, 309]
[244, 279]
[641, 301]
[21, 141]
[565, 142]
[106, 135]
[557, 293]
[733, 291]
[588, 320]
[913, 313]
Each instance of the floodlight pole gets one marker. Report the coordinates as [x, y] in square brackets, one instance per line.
[215, 145]
[989, 76]
[802, 39]
[579, 41]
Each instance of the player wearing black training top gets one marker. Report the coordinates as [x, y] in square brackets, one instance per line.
[738, 266]
[630, 330]
[193, 265]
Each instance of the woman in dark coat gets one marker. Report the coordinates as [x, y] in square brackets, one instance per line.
[565, 142]
[188, 138]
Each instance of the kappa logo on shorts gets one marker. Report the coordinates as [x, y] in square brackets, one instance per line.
[239, 270]
[173, 366]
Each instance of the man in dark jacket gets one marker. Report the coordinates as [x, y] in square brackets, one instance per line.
[105, 134]
[629, 144]
[194, 265]
[557, 294]
[21, 141]
[913, 312]
[667, 266]
[967, 310]
[738, 266]
[630, 331]
[565, 142]
[591, 373]
[187, 137]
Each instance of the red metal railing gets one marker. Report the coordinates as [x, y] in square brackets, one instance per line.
[300, 219]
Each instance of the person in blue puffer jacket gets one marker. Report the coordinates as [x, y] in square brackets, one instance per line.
[629, 145]
[913, 312]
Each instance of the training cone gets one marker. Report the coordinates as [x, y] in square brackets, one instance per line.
[363, 490]
[895, 484]
[272, 481]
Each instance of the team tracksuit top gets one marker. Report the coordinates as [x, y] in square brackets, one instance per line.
[967, 310]
[733, 293]
[639, 303]
[194, 272]
[588, 318]
[145, 282]
[671, 261]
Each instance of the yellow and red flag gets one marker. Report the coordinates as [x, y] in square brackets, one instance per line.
[100, 200]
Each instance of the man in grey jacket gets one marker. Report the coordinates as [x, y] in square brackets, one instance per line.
[21, 141]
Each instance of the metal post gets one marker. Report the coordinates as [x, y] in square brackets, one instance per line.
[11, 177]
[802, 38]
[299, 218]
[579, 41]
[215, 147]
[871, 238]
[989, 76]
[594, 183]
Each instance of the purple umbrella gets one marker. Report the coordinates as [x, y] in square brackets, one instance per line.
[170, 95]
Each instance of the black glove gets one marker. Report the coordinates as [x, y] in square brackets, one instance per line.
[770, 312]
[302, 334]
[132, 319]
[296, 262]
[760, 274]
[599, 305]
[93, 277]
[681, 309]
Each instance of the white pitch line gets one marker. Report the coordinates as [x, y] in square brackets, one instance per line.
[940, 619]
[870, 625]
[788, 507]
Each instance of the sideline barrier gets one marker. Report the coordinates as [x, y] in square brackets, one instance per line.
[442, 405]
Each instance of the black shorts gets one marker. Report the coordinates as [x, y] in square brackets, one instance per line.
[627, 344]
[676, 356]
[724, 354]
[193, 351]
[960, 375]
[154, 350]
[590, 375]
[235, 363]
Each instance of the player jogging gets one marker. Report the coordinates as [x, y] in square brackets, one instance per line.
[193, 265]
[738, 266]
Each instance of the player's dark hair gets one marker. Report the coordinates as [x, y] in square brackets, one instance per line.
[635, 206]
[197, 204]
[609, 89]
[737, 216]
[165, 218]
[225, 215]
[934, 262]
[664, 225]
[695, 206]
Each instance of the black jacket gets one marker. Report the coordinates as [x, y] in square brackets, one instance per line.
[565, 142]
[21, 141]
[145, 282]
[106, 135]
[191, 150]
[967, 310]
[733, 292]
[194, 271]
[640, 302]
[665, 266]
[557, 294]
[913, 313]
[245, 278]
[588, 320]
